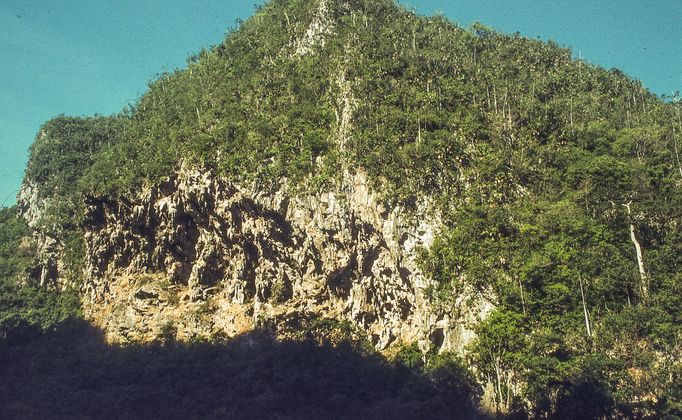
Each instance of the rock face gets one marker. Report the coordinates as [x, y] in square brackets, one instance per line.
[49, 249]
[198, 256]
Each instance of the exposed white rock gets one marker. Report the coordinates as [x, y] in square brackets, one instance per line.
[31, 205]
[316, 31]
[212, 257]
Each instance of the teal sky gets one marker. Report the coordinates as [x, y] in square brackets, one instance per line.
[81, 57]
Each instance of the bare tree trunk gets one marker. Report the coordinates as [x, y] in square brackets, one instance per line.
[288, 21]
[588, 327]
[677, 154]
[419, 132]
[644, 280]
[498, 379]
[508, 402]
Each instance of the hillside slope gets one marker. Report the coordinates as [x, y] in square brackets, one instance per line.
[435, 188]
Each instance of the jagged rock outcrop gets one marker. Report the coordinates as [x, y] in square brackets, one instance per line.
[48, 249]
[209, 257]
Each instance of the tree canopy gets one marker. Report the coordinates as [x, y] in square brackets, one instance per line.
[559, 182]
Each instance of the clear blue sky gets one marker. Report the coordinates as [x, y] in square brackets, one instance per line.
[81, 57]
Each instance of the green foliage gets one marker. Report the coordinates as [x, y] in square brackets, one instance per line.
[410, 356]
[449, 373]
[25, 309]
[453, 376]
[64, 150]
[66, 147]
[169, 333]
[14, 257]
[333, 332]
[73, 373]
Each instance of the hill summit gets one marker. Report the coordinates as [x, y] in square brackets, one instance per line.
[432, 189]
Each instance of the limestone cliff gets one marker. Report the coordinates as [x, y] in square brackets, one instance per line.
[206, 257]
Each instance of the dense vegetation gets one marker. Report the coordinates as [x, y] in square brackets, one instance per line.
[560, 183]
[72, 373]
[26, 309]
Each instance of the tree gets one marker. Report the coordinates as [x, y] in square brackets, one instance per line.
[498, 354]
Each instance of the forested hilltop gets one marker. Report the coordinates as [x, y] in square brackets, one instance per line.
[558, 186]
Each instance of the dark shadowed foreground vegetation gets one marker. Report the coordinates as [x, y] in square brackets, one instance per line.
[71, 373]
